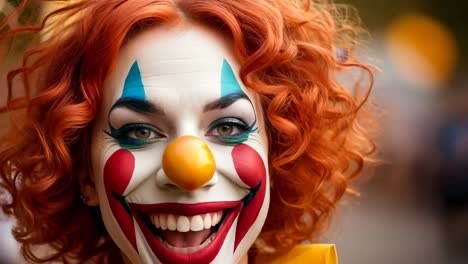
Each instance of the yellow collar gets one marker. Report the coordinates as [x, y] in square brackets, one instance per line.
[312, 253]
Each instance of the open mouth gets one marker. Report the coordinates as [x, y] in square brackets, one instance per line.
[186, 234]
[183, 233]
[186, 242]
[178, 233]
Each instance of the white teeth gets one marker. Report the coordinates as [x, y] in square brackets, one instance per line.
[163, 221]
[196, 224]
[183, 223]
[206, 221]
[156, 221]
[214, 219]
[171, 222]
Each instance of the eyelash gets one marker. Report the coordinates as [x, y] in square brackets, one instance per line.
[235, 139]
[121, 135]
[125, 141]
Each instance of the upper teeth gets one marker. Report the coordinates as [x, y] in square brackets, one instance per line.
[184, 223]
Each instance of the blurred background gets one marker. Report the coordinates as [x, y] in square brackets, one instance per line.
[414, 207]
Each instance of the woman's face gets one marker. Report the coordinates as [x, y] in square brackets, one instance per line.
[179, 151]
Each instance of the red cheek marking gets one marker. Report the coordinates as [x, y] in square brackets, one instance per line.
[251, 170]
[117, 174]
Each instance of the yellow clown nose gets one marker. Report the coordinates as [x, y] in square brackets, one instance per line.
[188, 162]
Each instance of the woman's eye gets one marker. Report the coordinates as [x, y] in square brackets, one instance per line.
[141, 133]
[135, 135]
[229, 130]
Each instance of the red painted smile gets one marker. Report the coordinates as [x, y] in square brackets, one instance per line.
[178, 233]
[182, 233]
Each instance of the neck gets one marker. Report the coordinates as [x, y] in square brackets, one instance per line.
[244, 259]
[125, 258]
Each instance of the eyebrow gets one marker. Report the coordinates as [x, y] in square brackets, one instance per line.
[224, 101]
[138, 105]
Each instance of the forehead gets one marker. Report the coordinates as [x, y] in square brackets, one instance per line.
[166, 49]
[169, 36]
[173, 62]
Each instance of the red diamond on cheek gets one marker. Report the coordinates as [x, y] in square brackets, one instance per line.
[251, 170]
[118, 172]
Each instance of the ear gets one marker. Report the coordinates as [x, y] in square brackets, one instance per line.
[89, 195]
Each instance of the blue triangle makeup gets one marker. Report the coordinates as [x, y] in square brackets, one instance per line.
[229, 84]
[133, 87]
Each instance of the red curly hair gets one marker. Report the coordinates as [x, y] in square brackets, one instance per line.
[288, 54]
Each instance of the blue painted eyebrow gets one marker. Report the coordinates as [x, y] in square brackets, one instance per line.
[231, 91]
[229, 84]
[134, 97]
[133, 86]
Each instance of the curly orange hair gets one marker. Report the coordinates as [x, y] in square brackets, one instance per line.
[288, 56]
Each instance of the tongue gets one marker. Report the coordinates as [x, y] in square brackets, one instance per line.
[186, 239]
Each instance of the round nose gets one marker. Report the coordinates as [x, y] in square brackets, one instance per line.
[188, 162]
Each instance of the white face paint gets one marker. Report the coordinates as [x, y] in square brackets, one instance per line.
[169, 83]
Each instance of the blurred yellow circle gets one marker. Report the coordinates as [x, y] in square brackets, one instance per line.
[422, 50]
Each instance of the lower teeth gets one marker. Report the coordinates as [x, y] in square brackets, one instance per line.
[190, 249]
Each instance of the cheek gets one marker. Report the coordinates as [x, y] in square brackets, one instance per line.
[251, 169]
[117, 174]
[118, 171]
[249, 165]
